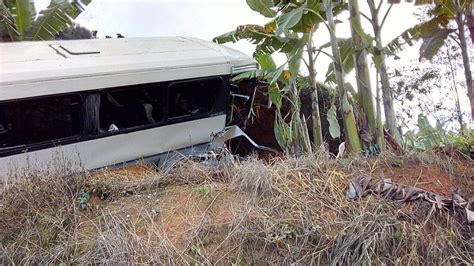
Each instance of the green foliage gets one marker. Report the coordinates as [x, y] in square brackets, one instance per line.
[22, 11]
[295, 16]
[203, 190]
[346, 50]
[289, 19]
[422, 30]
[266, 42]
[266, 61]
[289, 32]
[83, 199]
[7, 22]
[271, 72]
[463, 142]
[431, 45]
[429, 137]
[283, 133]
[367, 40]
[268, 70]
[275, 95]
[371, 150]
[21, 21]
[263, 7]
[334, 128]
[433, 32]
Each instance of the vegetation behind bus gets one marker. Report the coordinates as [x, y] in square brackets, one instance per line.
[20, 21]
[290, 30]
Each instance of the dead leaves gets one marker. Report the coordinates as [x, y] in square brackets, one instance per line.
[361, 186]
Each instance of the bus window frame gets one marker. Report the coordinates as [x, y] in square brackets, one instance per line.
[223, 108]
[166, 120]
[190, 117]
[4, 152]
[162, 122]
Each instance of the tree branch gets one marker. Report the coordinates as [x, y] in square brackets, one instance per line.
[319, 16]
[379, 6]
[386, 15]
[455, 40]
[305, 62]
[367, 17]
[325, 53]
[317, 55]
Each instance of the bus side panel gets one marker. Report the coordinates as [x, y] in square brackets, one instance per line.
[119, 148]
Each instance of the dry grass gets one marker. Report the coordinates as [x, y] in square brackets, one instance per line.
[286, 212]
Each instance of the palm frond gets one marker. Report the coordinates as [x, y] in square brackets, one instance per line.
[424, 30]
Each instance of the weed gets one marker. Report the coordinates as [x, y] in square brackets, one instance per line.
[203, 190]
[83, 199]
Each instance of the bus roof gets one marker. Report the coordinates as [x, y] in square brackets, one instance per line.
[29, 69]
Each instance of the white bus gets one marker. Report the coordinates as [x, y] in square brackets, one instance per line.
[105, 102]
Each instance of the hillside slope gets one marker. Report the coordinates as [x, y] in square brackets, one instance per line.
[283, 211]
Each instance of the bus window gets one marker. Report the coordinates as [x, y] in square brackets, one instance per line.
[192, 97]
[26, 122]
[131, 107]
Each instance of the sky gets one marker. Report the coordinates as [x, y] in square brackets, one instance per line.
[206, 19]
[203, 19]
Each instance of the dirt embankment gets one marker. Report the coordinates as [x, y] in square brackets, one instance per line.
[284, 211]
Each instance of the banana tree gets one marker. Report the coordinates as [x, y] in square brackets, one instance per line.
[350, 125]
[283, 85]
[283, 34]
[380, 64]
[434, 33]
[21, 22]
[291, 29]
[360, 44]
[350, 52]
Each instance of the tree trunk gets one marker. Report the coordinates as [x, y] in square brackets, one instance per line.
[470, 23]
[380, 136]
[301, 142]
[315, 116]
[350, 125]
[387, 95]
[465, 56]
[366, 103]
[456, 93]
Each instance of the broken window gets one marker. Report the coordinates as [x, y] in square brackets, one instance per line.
[27, 122]
[193, 97]
[131, 107]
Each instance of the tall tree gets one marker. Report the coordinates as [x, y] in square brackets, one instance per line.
[362, 42]
[364, 87]
[437, 30]
[431, 89]
[315, 115]
[350, 125]
[461, 8]
[379, 58]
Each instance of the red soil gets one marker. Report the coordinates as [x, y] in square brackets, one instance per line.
[432, 177]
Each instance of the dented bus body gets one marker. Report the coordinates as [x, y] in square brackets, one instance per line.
[105, 102]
